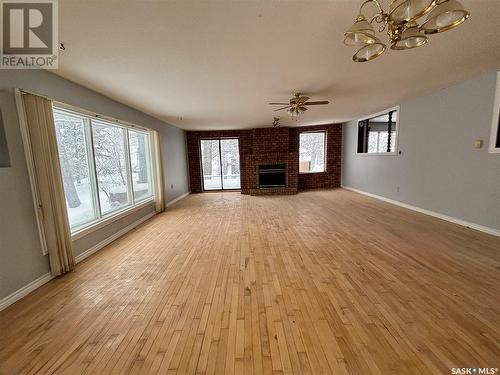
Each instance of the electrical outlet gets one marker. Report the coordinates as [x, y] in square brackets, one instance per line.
[171, 186]
[397, 189]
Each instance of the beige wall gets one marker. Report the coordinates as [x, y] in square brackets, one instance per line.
[21, 258]
[438, 169]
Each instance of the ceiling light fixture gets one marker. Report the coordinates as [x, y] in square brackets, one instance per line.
[401, 25]
[297, 105]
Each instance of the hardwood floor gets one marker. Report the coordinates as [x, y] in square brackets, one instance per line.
[324, 282]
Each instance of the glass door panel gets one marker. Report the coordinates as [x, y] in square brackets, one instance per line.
[211, 164]
[230, 163]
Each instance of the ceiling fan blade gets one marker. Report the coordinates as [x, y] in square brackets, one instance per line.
[302, 108]
[279, 109]
[278, 103]
[299, 100]
[319, 102]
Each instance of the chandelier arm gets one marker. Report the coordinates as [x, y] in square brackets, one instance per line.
[379, 18]
[380, 13]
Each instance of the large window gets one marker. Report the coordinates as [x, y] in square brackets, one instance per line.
[220, 159]
[378, 134]
[312, 152]
[105, 167]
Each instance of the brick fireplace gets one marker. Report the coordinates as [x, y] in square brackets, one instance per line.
[271, 146]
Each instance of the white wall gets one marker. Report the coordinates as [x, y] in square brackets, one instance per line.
[21, 259]
[438, 169]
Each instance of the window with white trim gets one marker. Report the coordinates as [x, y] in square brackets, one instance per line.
[106, 167]
[378, 135]
[312, 152]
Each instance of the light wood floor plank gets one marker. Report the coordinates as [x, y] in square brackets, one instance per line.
[324, 282]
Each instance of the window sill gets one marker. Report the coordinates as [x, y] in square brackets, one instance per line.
[312, 172]
[376, 154]
[96, 225]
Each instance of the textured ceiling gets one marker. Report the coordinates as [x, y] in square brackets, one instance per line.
[216, 64]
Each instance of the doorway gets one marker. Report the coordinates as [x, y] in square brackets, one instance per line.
[220, 161]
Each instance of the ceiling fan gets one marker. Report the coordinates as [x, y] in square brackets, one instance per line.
[298, 105]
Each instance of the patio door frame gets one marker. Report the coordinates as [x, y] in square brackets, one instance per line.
[219, 139]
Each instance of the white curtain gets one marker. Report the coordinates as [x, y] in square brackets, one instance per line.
[48, 182]
[159, 186]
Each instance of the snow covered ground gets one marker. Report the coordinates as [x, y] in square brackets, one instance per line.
[84, 213]
[214, 182]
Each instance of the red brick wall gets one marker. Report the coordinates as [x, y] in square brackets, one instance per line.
[257, 145]
[331, 177]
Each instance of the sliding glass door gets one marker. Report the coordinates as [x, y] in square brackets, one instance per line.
[220, 160]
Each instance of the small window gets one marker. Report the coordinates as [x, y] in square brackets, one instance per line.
[378, 134]
[312, 152]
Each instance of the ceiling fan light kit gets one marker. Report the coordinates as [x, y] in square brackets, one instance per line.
[297, 105]
[401, 24]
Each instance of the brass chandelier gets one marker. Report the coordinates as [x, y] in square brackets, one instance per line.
[401, 24]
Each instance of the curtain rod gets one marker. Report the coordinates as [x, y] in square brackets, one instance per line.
[84, 111]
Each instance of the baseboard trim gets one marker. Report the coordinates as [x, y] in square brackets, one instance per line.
[481, 228]
[35, 284]
[24, 291]
[112, 238]
[177, 199]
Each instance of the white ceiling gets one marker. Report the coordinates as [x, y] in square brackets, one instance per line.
[216, 64]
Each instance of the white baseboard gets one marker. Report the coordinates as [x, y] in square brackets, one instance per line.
[24, 291]
[110, 239]
[35, 284]
[177, 199]
[481, 228]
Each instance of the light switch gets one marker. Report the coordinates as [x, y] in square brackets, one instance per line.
[478, 143]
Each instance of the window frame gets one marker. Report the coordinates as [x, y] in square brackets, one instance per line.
[325, 165]
[397, 130]
[220, 161]
[103, 219]
[495, 123]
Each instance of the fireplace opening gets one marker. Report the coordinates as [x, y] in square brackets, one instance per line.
[272, 176]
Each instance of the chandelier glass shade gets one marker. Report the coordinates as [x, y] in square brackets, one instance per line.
[445, 16]
[407, 10]
[401, 23]
[369, 52]
[411, 37]
[361, 32]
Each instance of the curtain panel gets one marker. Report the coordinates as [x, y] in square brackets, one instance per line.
[39, 121]
[159, 185]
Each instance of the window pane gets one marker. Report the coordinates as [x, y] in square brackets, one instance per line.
[111, 166]
[373, 142]
[230, 163]
[70, 131]
[210, 160]
[382, 143]
[312, 152]
[140, 161]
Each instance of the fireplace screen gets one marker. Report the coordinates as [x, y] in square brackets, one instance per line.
[272, 176]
